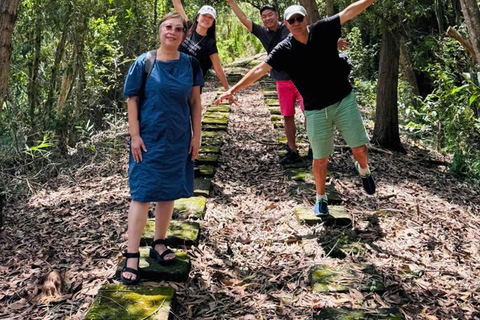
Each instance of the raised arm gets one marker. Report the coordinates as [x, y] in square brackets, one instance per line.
[241, 16]
[177, 5]
[253, 75]
[354, 10]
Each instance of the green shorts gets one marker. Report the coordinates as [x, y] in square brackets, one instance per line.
[345, 116]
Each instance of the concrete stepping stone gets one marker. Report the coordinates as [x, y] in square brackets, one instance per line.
[151, 270]
[277, 124]
[270, 94]
[202, 187]
[344, 245]
[216, 115]
[275, 118]
[179, 233]
[272, 102]
[209, 149]
[300, 174]
[216, 121]
[190, 208]
[204, 170]
[117, 301]
[207, 158]
[337, 216]
[343, 277]
[219, 108]
[212, 138]
[275, 110]
[358, 314]
[214, 127]
[334, 197]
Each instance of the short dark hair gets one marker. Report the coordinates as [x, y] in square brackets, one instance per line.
[268, 6]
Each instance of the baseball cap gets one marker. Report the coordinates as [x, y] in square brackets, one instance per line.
[208, 10]
[295, 9]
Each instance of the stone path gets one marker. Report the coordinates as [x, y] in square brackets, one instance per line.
[147, 301]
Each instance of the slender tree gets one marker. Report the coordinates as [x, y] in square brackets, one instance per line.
[8, 17]
[472, 18]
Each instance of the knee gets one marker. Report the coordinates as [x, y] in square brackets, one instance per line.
[362, 150]
[320, 163]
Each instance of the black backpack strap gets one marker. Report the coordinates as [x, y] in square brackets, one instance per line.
[147, 70]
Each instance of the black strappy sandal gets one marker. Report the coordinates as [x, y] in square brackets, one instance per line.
[160, 258]
[135, 281]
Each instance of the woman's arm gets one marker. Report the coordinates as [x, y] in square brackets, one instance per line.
[241, 16]
[354, 10]
[217, 67]
[136, 143]
[177, 5]
[195, 103]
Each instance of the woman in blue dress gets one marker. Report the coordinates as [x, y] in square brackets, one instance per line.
[165, 128]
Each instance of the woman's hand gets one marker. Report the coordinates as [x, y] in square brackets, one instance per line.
[194, 147]
[226, 95]
[136, 147]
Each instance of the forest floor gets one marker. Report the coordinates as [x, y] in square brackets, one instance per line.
[421, 231]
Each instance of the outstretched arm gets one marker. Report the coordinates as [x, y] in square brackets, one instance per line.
[177, 5]
[196, 114]
[250, 78]
[241, 16]
[354, 10]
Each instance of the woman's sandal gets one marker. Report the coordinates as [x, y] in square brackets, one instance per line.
[160, 258]
[135, 281]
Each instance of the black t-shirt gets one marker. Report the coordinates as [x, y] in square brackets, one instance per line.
[200, 47]
[315, 68]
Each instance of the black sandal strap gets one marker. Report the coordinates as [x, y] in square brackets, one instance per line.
[134, 271]
[160, 241]
[131, 255]
[164, 253]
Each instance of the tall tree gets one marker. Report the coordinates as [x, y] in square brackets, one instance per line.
[312, 9]
[8, 16]
[472, 18]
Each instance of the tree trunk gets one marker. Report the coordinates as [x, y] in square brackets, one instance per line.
[457, 11]
[329, 7]
[312, 9]
[438, 8]
[407, 68]
[54, 72]
[385, 132]
[472, 18]
[8, 16]
[34, 67]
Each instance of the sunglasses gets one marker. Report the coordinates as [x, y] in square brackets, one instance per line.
[298, 19]
[175, 29]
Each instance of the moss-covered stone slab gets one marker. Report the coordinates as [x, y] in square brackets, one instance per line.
[344, 245]
[117, 301]
[278, 124]
[276, 118]
[151, 270]
[270, 94]
[204, 170]
[219, 108]
[282, 139]
[216, 115]
[275, 111]
[190, 208]
[300, 174]
[209, 149]
[212, 138]
[272, 102]
[179, 233]
[337, 215]
[207, 158]
[358, 314]
[202, 187]
[214, 127]
[343, 277]
[212, 134]
[208, 120]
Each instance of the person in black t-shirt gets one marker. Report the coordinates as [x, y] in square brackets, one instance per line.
[310, 57]
[201, 42]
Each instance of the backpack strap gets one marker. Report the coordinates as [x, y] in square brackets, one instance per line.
[147, 70]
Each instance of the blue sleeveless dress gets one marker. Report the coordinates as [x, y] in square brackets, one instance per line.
[166, 171]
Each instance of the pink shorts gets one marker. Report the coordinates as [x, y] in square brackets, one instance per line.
[287, 95]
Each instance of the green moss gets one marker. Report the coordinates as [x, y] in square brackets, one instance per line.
[214, 127]
[152, 270]
[272, 102]
[204, 170]
[270, 94]
[350, 314]
[179, 233]
[202, 187]
[115, 302]
[216, 115]
[337, 215]
[219, 109]
[282, 140]
[343, 277]
[275, 110]
[193, 207]
[278, 124]
[206, 121]
[207, 158]
[209, 149]
[212, 134]
[276, 118]
[300, 174]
